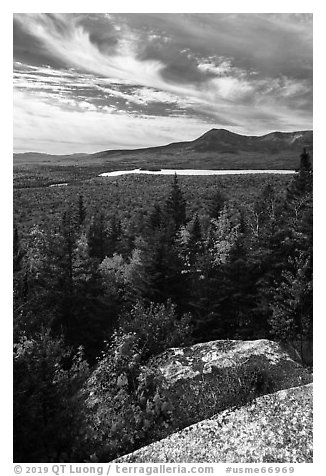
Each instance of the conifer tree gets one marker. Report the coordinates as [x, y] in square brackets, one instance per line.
[238, 294]
[195, 230]
[301, 184]
[97, 237]
[114, 235]
[195, 240]
[204, 299]
[68, 235]
[216, 204]
[286, 259]
[154, 219]
[291, 302]
[175, 206]
[158, 273]
[83, 314]
[34, 289]
[81, 210]
[48, 408]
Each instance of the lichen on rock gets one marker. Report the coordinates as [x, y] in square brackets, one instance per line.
[275, 428]
[209, 377]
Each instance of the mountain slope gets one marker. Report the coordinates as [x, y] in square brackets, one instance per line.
[216, 149]
[222, 140]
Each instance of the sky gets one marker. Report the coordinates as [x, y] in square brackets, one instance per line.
[92, 82]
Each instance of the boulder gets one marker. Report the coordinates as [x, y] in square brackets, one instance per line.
[204, 379]
[275, 428]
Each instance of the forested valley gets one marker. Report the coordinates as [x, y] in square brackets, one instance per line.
[98, 293]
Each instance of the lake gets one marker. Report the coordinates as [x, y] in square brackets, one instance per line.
[117, 173]
[59, 185]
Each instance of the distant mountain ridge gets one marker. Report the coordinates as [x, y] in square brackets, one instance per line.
[222, 140]
[216, 148]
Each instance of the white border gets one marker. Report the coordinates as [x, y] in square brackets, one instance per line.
[315, 7]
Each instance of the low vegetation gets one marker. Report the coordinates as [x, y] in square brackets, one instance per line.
[275, 428]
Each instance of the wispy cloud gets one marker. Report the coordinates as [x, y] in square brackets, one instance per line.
[181, 73]
[63, 128]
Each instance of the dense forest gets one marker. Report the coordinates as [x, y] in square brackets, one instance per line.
[101, 285]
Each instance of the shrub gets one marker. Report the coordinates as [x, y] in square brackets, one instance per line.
[157, 327]
[125, 408]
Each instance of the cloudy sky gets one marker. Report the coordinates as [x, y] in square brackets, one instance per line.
[89, 82]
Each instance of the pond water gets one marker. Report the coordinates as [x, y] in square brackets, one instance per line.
[116, 173]
[58, 185]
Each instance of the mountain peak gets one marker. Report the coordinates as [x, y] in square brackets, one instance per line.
[222, 140]
[216, 138]
[219, 132]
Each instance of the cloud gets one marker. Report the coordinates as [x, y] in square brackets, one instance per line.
[74, 47]
[53, 129]
[250, 72]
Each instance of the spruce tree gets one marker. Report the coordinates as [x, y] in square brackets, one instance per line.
[301, 184]
[291, 302]
[286, 259]
[204, 299]
[114, 235]
[83, 314]
[238, 294]
[175, 207]
[195, 240]
[81, 210]
[216, 204]
[34, 286]
[154, 219]
[48, 409]
[68, 234]
[97, 237]
[158, 276]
